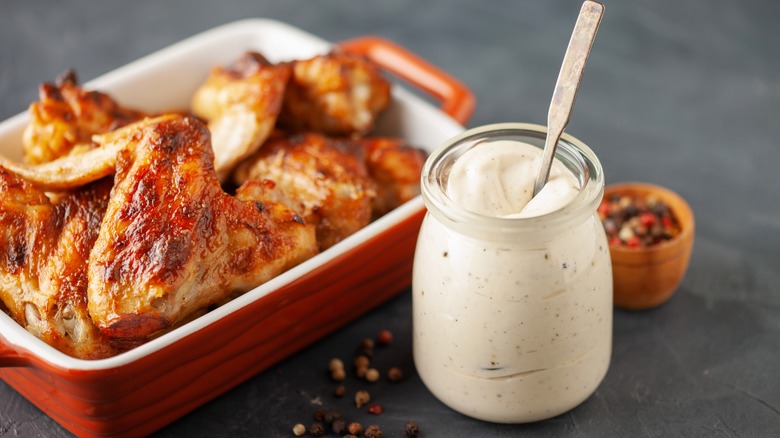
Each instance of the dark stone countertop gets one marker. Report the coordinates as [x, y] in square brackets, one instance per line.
[683, 94]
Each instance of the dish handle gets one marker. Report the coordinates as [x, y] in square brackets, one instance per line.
[457, 100]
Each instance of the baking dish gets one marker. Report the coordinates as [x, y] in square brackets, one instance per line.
[142, 390]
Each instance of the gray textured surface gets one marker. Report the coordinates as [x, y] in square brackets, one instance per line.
[684, 94]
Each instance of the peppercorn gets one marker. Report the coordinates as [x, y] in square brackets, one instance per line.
[350, 436]
[372, 375]
[361, 365]
[319, 415]
[373, 432]
[331, 416]
[411, 430]
[336, 364]
[365, 348]
[338, 375]
[395, 374]
[647, 219]
[355, 428]
[317, 429]
[339, 426]
[361, 398]
[299, 429]
[340, 391]
[626, 233]
[375, 408]
[385, 337]
[362, 361]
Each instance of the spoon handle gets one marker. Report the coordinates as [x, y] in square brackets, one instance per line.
[568, 83]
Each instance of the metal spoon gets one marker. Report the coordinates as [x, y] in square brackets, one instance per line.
[568, 83]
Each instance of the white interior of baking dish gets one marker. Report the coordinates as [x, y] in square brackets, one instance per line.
[166, 80]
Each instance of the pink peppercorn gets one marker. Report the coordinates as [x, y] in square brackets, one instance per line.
[375, 408]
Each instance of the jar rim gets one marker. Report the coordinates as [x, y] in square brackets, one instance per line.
[572, 152]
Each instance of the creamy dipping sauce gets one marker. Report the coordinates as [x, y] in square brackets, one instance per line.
[514, 325]
[497, 179]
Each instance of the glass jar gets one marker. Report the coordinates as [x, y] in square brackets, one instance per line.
[512, 318]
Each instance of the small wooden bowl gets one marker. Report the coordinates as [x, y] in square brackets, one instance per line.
[647, 277]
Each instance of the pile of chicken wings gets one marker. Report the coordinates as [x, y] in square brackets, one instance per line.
[122, 224]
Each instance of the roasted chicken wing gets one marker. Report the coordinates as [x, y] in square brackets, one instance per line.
[65, 118]
[44, 247]
[324, 179]
[172, 241]
[396, 168]
[94, 264]
[241, 103]
[335, 94]
[69, 171]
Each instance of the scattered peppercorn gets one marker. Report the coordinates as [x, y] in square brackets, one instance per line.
[373, 432]
[317, 429]
[395, 374]
[365, 348]
[299, 429]
[331, 416]
[361, 398]
[411, 430]
[637, 221]
[339, 426]
[362, 361]
[361, 365]
[332, 419]
[385, 337]
[355, 428]
[338, 375]
[375, 408]
[336, 364]
[372, 375]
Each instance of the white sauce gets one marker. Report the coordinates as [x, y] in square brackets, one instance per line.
[497, 179]
[515, 329]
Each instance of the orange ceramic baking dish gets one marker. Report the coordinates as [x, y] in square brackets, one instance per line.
[142, 390]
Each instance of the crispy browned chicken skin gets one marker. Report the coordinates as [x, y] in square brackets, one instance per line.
[395, 167]
[336, 183]
[65, 118]
[241, 102]
[324, 179]
[44, 247]
[335, 94]
[172, 241]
